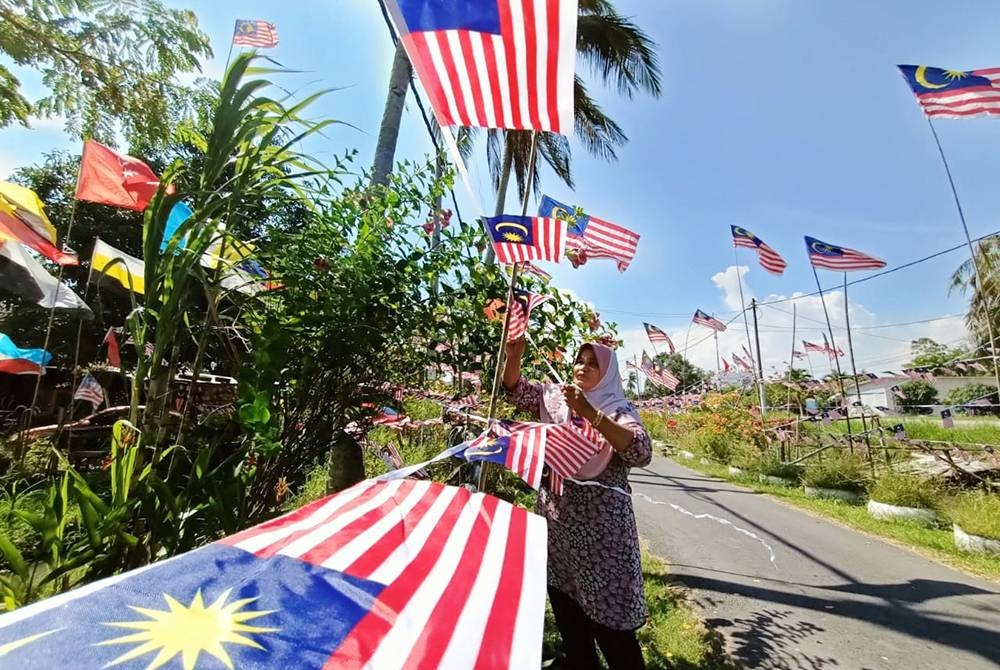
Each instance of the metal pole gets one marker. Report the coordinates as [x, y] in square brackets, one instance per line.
[718, 365]
[854, 369]
[836, 358]
[498, 375]
[743, 304]
[760, 362]
[972, 253]
[791, 356]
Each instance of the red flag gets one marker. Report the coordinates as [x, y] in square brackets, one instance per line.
[110, 178]
[114, 356]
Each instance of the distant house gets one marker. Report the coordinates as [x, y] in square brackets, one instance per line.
[878, 393]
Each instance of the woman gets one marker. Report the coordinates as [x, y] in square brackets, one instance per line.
[594, 576]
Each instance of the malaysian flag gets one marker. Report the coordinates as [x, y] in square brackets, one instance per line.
[830, 351]
[725, 365]
[657, 335]
[832, 257]
[899, 431]
[526, 238]
[520, 311]
[798, 354]
[260, 34]
[747, 352]
[703, 319]
[386, 575]
[90, 390]
[898, 392]
[497, 64]
[946, 419]
[742, 362]
[954, 94]
[809, 346]
[533, 269]
[568, 446]
[657, 374]
[979, 366]
[520, 447]
[769, 259]
[591, 237]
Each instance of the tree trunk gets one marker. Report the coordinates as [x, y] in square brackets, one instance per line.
[388, 134]
[502, 183]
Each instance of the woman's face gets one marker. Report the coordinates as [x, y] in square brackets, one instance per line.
[586, 371]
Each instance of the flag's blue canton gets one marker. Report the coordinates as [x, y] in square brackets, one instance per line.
[246, 27]
[522, 297]
[743, 232]
[822, 248]
[311, 611]
[512, 229]
[924, 79]
[488, 448]
[254, 268]
[554, 209]
[433, 15]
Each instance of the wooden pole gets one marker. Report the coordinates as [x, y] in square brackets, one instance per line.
[854, 369]
[836, 358]
[760, 362]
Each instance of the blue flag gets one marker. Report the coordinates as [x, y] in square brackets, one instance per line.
[178, 215]
[554, 209]
[10, 351]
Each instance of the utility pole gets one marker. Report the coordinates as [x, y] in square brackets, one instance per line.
[760, 363]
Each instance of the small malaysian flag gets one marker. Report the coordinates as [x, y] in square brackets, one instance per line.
[830, 351]
[90, 390]
[591, 237]
[527, 238]
[657, 374]
[899, 431]
[497, 64]
[898, 392]
[842, 259]
[656, 334]
[769, 259]
[148, 349]
[520, 312]
[518, 446]
[953, 94]
[533, 269]
[743, 363]
[946, 419]
[568, 446]
[980, 367]
[825, 418]
[703, 319]
[798, 354]
[260, 34]
[809, 346]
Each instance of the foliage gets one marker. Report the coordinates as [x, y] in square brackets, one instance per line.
[839, 471]
[971, 392]
[103, 62]
[983, 312]
[917, 393]
[926, 353]
[906, 490]
[976, 512]
[720, 428]
[774, 467]
[35, 463]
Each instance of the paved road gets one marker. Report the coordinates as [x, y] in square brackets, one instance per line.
[833, 599]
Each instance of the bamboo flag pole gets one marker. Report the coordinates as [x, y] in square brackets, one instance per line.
[854, 369]
[791, 357]
[836, 358]
[972, 253]
[498, 374]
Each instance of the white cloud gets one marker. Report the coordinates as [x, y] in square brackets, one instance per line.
[876, 348]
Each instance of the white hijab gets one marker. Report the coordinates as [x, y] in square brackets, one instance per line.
[608, 396]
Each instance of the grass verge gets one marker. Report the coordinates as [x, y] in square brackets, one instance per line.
[934, 543]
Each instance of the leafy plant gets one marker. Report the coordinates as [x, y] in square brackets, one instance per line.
[976, 512]
[906, 490]
[843, 471]
[774, 467]
[917, 393]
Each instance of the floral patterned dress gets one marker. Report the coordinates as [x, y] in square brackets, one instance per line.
[593, 541]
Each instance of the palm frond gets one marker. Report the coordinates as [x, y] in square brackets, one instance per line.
[617, 50]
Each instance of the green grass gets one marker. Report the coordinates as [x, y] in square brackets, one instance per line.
[906, 490]
[934, 543]
[980, 430]
[976, 513]
[674, 638]
[842, 471]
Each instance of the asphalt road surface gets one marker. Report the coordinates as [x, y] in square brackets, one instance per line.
[833, 598]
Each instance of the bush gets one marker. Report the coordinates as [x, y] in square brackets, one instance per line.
[917, 393]
[977, 513]
[845, 472]
[773, 467]
[905, 490]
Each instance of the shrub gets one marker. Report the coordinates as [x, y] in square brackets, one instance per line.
[977, 513]
[773, 467]
[905, 490]
[845, 472]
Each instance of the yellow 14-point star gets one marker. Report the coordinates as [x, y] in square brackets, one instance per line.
[190, 630]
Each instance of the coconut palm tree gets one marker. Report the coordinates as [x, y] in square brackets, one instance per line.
[613, 47]
[982, 299]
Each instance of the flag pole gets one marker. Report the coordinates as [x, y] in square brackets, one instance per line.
[743, 304]
[718, 365]
[972, 251]
[760, 361]
[498, 375]
[836, 358]
[791, 357]
[854, 371]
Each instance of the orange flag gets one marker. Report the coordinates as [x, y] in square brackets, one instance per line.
[110, 178]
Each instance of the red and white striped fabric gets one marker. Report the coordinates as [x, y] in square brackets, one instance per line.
[518, 446]
[462, 588]
[498, 64]
[517, 239]
[520, 312]
[259, 34]
[568, 447]
[703, 319]
[603, 239]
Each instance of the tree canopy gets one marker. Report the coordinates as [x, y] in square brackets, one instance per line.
[105, 64]
[926, 353]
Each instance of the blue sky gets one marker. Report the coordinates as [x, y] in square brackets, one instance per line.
[782, 116]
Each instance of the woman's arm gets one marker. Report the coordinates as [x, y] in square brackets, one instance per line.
[512, 364]
[629, 439]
